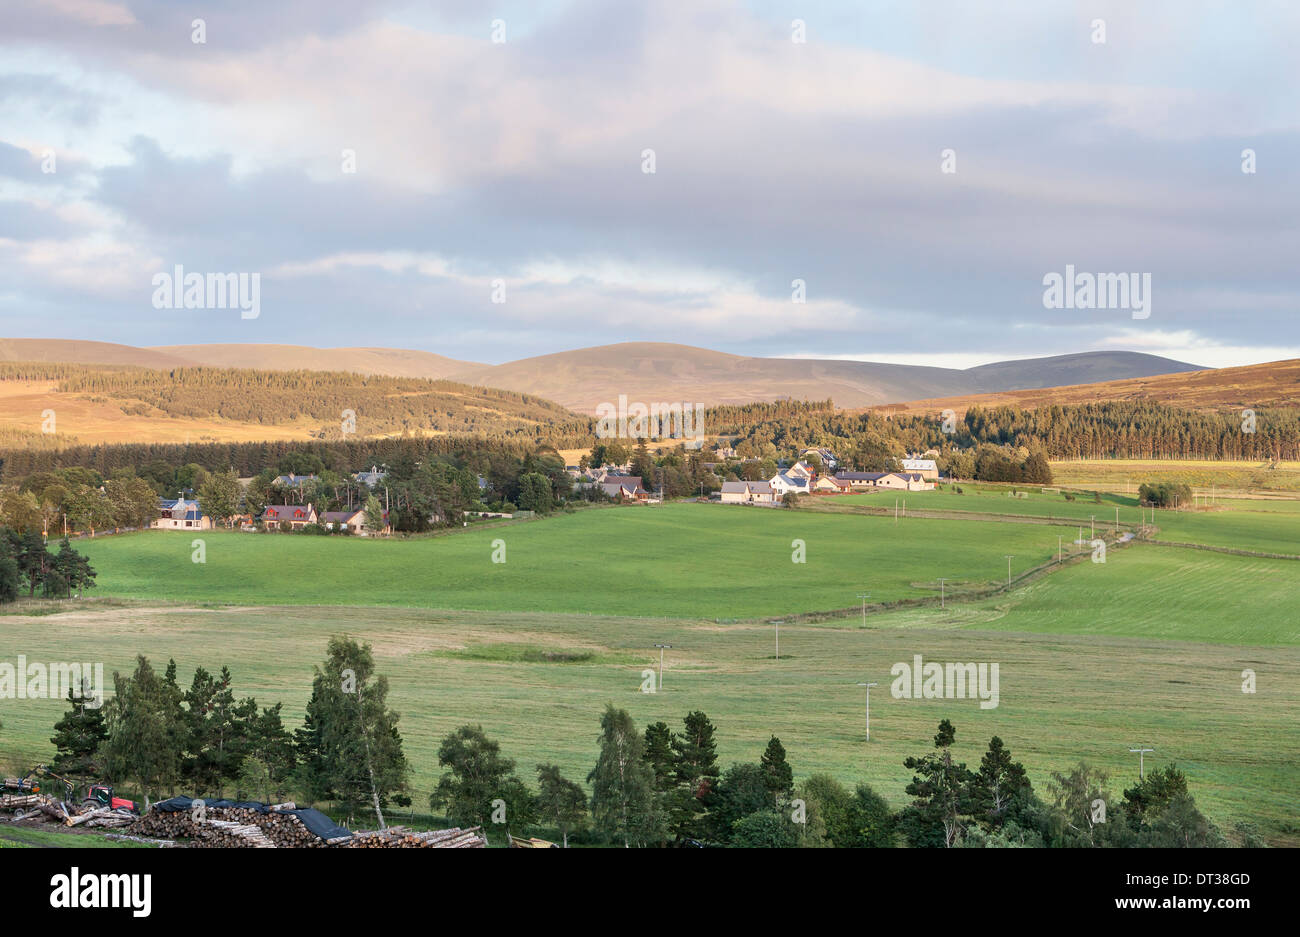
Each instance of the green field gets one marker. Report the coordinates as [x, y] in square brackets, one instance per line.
[1095, 657]
[1239, 523]
[679, 560]
[1062, 697]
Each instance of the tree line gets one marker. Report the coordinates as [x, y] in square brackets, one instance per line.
[26, 563]
[653, 788]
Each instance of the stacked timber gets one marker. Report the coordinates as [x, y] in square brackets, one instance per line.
[278, 826]
[229, 834]
[12, 801]
[399, 837]
[102, 816]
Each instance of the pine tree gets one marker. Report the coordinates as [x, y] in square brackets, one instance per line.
[777, 773]
[78, 736]
[695, 775]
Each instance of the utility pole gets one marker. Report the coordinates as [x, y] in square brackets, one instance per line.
[864, 596]
[1009, 559]
[1094, 527]
[1141, 753]
[1058, 548]
[778, 639]
[661, 663]
[868, 686]
[941, 596]
[1117, 518]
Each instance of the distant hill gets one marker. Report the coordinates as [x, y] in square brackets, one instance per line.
[1275, 384]
[649, 371]
[96, 403]
[391, 362]
[646, 371]
[70, 351]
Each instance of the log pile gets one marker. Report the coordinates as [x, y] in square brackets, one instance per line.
[105, 818]
[229, 834]
[277, 827]
[12, 801]
[399, 837]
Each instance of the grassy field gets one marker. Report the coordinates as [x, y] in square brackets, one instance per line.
[1238, 523]
[1127, 474]
[1148, 647]
[680, 560]
[537, 682]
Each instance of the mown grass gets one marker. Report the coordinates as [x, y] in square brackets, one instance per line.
[678, 560]
[1148, 647]
[1063, 697]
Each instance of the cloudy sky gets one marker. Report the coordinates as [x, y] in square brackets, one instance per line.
[775, 160]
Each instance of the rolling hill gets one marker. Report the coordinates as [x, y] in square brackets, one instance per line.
[647, 371]
[389, 362]
[583, 378]
[1275, 384]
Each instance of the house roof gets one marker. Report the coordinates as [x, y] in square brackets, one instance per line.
[340, 517]
[287, 512]
[169, 506]
[293, 479]
[743, 487]
[861, 476]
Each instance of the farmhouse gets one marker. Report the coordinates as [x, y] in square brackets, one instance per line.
[297, 515]
[830, 485]
[354, 521]
[926, 468]
[748, 493]
[789, 481]
[624, 487]
[179, 514]
[370, 479]
[860, 481]
[904, 481]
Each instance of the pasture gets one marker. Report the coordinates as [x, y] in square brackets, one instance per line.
[537, 682]
[1148, 647]
[682, 560]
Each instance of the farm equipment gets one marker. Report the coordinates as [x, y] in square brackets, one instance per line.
[101, 795]
[20, 795]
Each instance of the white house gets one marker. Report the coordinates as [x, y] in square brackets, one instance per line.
[789, 481]
[748, 493]
[181, 515]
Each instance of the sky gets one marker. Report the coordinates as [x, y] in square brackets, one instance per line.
[877, 180]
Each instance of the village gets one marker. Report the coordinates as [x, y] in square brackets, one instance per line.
[801, 478]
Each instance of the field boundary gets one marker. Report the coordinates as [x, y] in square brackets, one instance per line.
[1232, 550]
[1050, 520]
[918, 601]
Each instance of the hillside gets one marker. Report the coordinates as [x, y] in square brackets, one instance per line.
[583, 378]
[392, 362]
[117, 404]
[71, 351]
[649, 371]
[1274, 384]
